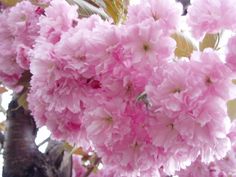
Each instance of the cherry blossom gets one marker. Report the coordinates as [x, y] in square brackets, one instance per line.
[211, 16]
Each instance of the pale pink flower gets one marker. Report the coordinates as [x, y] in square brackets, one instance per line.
[198, 168]
[231, 55]
[59, 104]
[18, 31]
[103, 123]
[147, 43]
[86, 49]
[126, 151]
[161, 12]
[59, 17]
[10, 72]
[223, 168]
[174, 153]
[188, 104]
[60, 68]
[213, 74]
[211, 16]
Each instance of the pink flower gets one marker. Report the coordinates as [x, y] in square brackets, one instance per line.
[142, 40]
[211, 16]
[88, 51]
[215, 75]
[223, 168]
[59, 105]
[128, 150]
[174, 153]
[231, 55]
[103, 123]
[161, 12]
[22, 57]
[59, 17]
[10, 72]
[18, 31]
[198, 168]
[189, 108]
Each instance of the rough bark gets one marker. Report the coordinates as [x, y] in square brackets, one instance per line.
[60, 158]
[21, 155]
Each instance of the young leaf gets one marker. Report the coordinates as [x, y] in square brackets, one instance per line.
[234, 81]
[74, 150]
[22, 100]
[209, 41]
[231, 105]
[116, 9]
[86, 8]
[2, 126]
[9, 2]
[2, 90]
[184, 46]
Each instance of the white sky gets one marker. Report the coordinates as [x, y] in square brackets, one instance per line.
[134, 1]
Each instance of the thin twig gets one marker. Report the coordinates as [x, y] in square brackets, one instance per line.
[90, 169]
[43, 142]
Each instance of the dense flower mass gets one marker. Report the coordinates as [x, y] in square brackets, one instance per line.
[190, 102]
[120, 91]
[223, 168]
[17, 34]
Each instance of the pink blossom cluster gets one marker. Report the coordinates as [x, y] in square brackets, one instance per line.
[189, 110]
[117, 89]
[17, 35]
[211, 16]
[221, 168]
[87, 76]
[56, 93]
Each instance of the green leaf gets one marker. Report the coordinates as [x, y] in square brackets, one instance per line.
[22, 100]
[210, 41]
[116, 9]
[2, 126]
[184, 46]
[74, 150]
[234, 81]
[88, 8]
[231, 106]
[9, 2]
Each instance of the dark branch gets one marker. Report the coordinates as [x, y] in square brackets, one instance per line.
[21, 156]
[185, 4]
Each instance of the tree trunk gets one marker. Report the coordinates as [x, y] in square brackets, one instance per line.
[21, 155]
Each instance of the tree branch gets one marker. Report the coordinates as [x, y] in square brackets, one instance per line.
[185, 4]
[21, 156]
